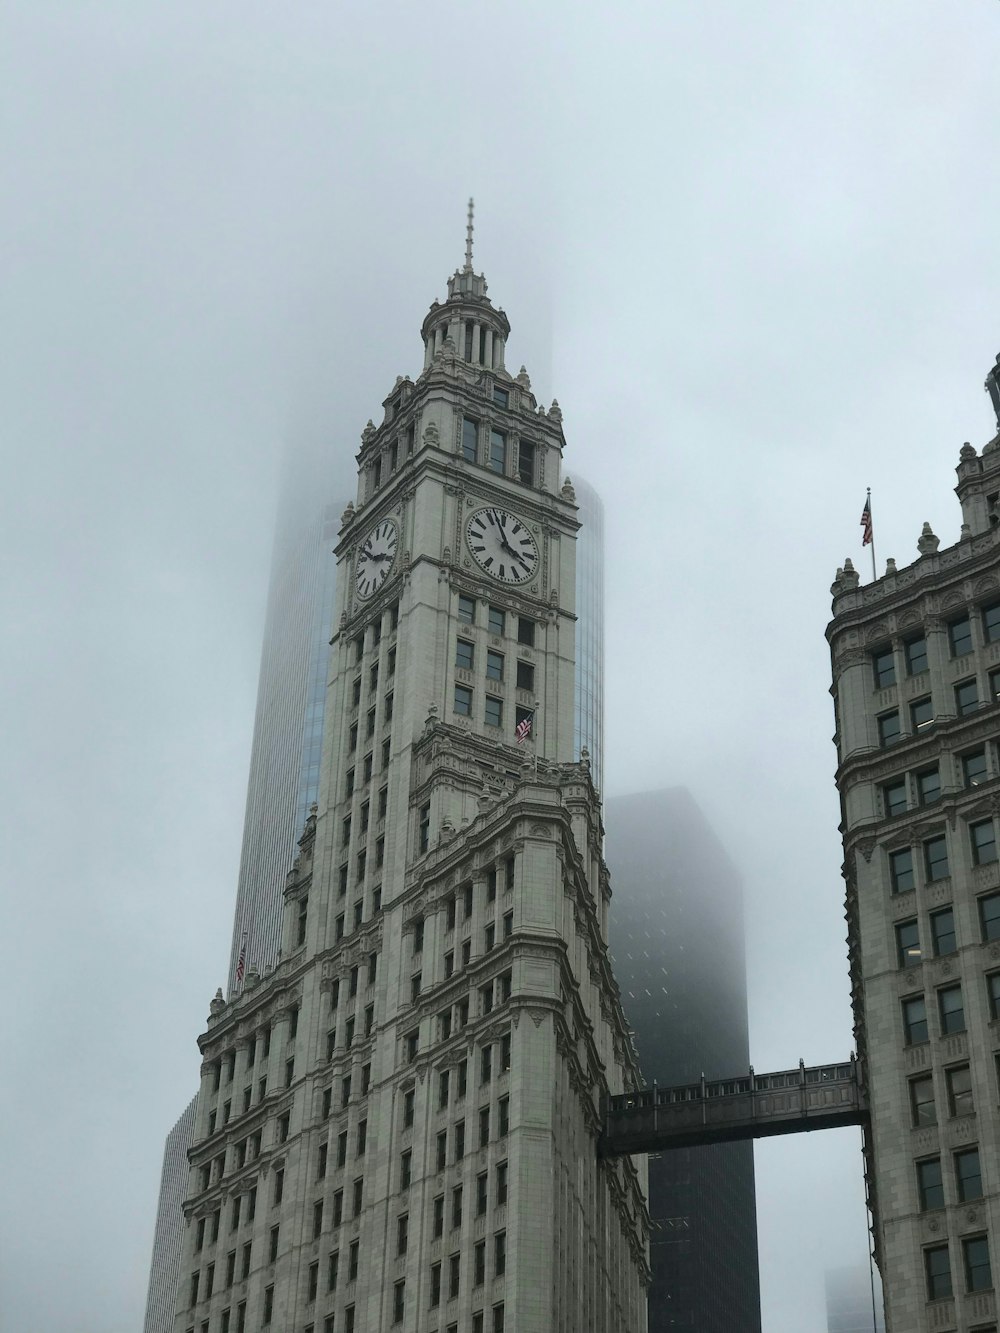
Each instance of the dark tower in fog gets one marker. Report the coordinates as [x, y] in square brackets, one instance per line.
[676, 933]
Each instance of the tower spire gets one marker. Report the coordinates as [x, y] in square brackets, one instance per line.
[468, 240]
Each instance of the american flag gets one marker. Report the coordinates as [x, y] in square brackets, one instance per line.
[866, 522]
[241, 962]
[523, 729]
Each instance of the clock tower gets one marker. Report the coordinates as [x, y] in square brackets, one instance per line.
[397, 1126]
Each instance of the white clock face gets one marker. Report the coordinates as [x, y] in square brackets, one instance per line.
[501, 543]
[375, 559]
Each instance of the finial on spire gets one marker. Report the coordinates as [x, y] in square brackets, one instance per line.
[468, 240]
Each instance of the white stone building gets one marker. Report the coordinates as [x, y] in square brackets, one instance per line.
[916, 670]
[396, 1128]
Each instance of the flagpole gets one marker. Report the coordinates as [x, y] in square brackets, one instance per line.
[874, 575]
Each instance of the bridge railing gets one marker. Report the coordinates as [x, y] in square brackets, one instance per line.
[749, 1106]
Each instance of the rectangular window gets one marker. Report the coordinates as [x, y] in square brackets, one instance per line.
[268, 1304]
[484, 1126]
[494, 665]
[916, 655]
[884, 668]
[907, 944]
[930, 1185]
[995, 685]
[951, 1009]
[332, 1267]
[499, 1254]
[993, 993]
[943, 931]
[482, 1193]
[398, 1301]
[498, 1318]
[921, 715]
[526, 463]
[974, 772]
[456, 1207]
[498, 451]
[894, 797]
[454, 1274]
[369, 763]
[936, 858]
[463, 701]
[526, 631]
[915, 1020]
[459, 1140]
[525, 676]
[991, 623]
[435, 1283]
[313, 1280]
[493, 716]
[465, 654]
[959, 1082]
[968, 1175]
[976, 1260]
[501, 1183]
[442, 1149]
[489, 938]
[929, 786]
[937, 1269]
[901, 870]
[503, 1117]
[470, 431]
[984, 844]
[352, 1261]
[402, 1233]
[444, 1079]
[338, 1207]
[279, 1186]
[467, 609]
[405, 1169]
[497, 620]
[359, 1188]
[888, 728]
[463, 1074]
[424, 828]
[966, 697]
[508, 925]
[479, 1263]
[960, 637]
[922, 1106]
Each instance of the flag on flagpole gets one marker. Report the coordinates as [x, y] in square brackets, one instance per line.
[241, 962]
[523, 729]
[866, 522]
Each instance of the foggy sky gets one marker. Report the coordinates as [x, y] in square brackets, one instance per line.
[753, 252]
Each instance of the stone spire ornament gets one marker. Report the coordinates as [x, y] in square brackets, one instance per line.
[927, 543]
[468, 238]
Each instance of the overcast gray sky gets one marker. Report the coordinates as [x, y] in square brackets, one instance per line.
[751, 248]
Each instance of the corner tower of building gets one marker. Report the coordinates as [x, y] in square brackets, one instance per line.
[916, 686]
[397, 1125]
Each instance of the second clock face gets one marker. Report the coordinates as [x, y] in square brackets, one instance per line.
[501, 543]
[375, 559]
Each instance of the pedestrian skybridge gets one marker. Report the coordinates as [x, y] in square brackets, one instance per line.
[754, 1106]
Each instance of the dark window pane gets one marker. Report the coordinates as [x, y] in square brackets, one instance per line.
[930, 1185]
[943, 931]
[526, 463]
[929, 786]
[907, 944]
[959, 1083]
[500, 396]
[467, 609]
[936, 858]
[884, 667]
[894, 797]
[960, 636]
[966, 697]
[921, 715]
[991, 622]
[938, 1270]
[922, 1101]
[498, 451]
[952, 1009]
[993, 992]
[494, 666]
[968, 1175]
[463, 701]
[888, 728]
[525, 676]
[901, 870]
[915, 1020]
[974, 769]
[465, 654]
[976, 1254]
[526, 631]
[984, 844]
[494, 712]
[916, 656]
[497, 620]
[469, 428]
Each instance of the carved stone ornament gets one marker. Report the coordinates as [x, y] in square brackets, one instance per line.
[865, 846]
[537, 1015]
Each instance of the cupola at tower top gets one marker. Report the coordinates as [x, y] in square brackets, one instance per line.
[477, 330]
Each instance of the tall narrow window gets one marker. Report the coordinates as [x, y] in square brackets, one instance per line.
[469, 432]
[907, 944]
[966, 697]
[984, 844]
[884, 668]
[937, 1268]
[959, 1082]
[952, 1009]
[976, 1259]
[498, 451]
[916, 655]
[968, 1175]
[960, 637]
[936, 858]
[930, 1185]
[526, 463]
[915, 1020]
[943, 931]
